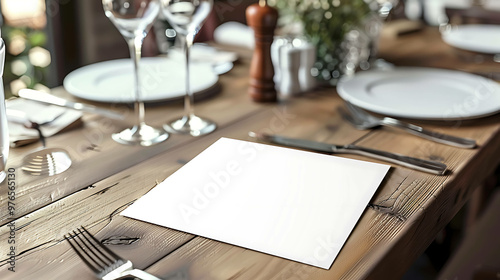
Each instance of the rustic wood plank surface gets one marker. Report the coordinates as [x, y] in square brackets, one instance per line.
[402, 219]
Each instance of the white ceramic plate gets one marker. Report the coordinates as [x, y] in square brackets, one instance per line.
[162, 79]
[481, 38]
[422, 93]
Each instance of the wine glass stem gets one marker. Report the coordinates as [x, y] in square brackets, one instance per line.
[189, 98]
[135, 46]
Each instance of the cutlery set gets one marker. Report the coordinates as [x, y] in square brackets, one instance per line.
[363, 120]
[411, 162]
[359, 118]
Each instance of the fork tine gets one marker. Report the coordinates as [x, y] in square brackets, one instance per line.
[100, 259]
[114, 256]
[80, 254]
[96, 256]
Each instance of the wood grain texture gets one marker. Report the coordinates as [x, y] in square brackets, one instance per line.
[403, 217]
[400, 223]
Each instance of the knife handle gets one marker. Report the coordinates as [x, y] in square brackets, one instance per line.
[433, 167]
[48, 98]
[430, 135]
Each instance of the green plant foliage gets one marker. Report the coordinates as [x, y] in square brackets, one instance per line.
[325, 23]
[323, 20]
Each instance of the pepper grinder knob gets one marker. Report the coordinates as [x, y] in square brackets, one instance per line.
[262, 19]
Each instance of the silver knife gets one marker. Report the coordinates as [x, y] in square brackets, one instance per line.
[54, 100]
[410, 162]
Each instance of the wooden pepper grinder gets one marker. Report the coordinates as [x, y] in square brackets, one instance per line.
[263, 19]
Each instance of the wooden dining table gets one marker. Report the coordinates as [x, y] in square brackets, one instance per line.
[402, 219]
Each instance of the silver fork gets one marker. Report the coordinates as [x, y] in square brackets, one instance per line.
[362, 120]
[105, 264]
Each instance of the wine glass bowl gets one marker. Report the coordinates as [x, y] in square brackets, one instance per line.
[133, 19]
[187, 18]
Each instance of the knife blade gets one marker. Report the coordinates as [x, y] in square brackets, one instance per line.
[44, 97]
[433, 167]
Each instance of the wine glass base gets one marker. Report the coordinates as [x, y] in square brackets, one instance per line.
[48, 162]
[142, 135]
[193, 125]
[2, 176]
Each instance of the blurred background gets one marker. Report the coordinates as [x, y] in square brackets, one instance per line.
[47, 39]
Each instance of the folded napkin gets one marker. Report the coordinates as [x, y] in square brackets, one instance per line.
[235, 34]
[52, 120]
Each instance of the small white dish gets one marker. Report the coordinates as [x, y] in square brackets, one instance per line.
[162, 79]
[422, 93]
[482, 38]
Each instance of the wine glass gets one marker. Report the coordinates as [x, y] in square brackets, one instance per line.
[134, 18]
[4, 131]
[187, 17]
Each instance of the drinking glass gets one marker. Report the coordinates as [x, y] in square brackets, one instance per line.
[187, 17]
[134, 18]
[4, 131]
